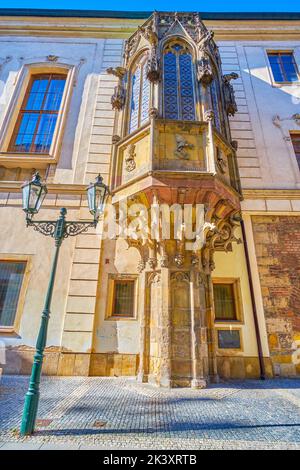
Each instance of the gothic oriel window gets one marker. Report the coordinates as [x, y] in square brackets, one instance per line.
[140, 96]
[38, 115]
[178, 88]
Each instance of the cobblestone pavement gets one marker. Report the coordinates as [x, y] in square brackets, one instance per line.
[118, 413]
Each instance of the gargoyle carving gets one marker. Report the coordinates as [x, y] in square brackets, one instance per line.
[181, 147]
[230, 103]
[118, 98]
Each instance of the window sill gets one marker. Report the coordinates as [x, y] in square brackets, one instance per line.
[116, 318]
[26, 160]
[283, 84]
[9, 332]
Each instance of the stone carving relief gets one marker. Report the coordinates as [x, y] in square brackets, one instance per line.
[52, 58]
[182, 147]
[204, 71]
[220, 161]
[130, 164]
[285, 128]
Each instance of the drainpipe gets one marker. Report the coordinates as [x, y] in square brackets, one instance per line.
[255, 318]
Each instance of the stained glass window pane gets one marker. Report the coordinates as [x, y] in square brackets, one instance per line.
[145, 97]
[38, 115]
[135, 100]
[186, 87]
[123, 298]
[11, 276]
[215, 103]
[170, 86]
[179, 102]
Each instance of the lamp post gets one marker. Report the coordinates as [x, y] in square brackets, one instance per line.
[34, 193]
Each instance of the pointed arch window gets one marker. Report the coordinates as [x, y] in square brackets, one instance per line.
[178, 90]
[140, 96]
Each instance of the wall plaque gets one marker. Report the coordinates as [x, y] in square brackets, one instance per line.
[229, 339]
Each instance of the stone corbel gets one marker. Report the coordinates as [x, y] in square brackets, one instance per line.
[153, 68]
[230, 103]
[119, 96]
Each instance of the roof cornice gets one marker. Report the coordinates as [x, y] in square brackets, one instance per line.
[114, 24]
[60, 13]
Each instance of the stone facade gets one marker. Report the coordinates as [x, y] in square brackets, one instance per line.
[251, 168]
[277, 244]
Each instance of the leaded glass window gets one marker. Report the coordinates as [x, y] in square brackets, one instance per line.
[140, 96]
[216, 103]
[38, 115]
[11, 277]
[178, 90]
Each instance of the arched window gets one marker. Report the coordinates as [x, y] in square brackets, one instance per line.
[140, 96]
[215, 94]
[178, 90]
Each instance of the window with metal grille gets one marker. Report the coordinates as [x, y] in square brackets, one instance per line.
[11, 277]
[123, 303]
[284, 68]
[140, 96]
[295, 137]
[178, 89]
[224, 299]
[38, 114]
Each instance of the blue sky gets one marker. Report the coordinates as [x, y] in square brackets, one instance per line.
[148, 5]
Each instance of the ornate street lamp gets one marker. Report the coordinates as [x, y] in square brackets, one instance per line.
[34, 193]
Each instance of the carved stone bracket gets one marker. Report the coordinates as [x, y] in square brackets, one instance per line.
[119, 96]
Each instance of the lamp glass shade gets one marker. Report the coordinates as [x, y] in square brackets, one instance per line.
[96, 194]
[34, 193]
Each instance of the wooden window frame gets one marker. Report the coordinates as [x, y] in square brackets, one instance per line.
[237, 294]
[29, 159]
[280, 52]
[14, 329]
[40, 112]
[292, 133]
[112, 280]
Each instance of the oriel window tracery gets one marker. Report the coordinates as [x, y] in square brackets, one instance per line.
[178, 88]
[140, 96]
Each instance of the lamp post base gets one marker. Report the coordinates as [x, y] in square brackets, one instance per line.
[29, 413]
